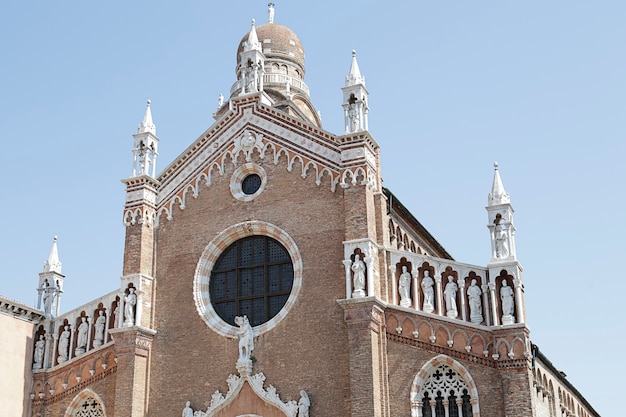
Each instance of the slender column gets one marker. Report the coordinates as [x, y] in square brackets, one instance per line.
[46, 355]
[90, 323]
[438, 293]
[365, 121]
[106, 327]
[370, 276]
[475, 410]
[416, 410]
[463, 297]
[394, 285]
[432, 404]
[416, 293]
[134, 162]
[120, 319]
[485, 306]
[58, 293]
[154, 165]
[55, 344]
[138, 307]
[446, 407]
[348, 263]
[494, 306]
[510, 241]
[70, 348]
[459, 406]
[519, 307]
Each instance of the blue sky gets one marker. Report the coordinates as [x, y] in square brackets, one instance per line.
[538, 86]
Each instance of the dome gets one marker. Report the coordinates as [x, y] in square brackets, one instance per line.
[278, 42]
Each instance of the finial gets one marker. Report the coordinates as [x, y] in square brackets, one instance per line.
[270, 11]
[53, 264]
[146, 125]
[354, 76]
[253, 40]
[498, 194]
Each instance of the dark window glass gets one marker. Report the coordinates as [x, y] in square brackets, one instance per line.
[440, 410]
[467, 406]
[453, 408]
[252, 277]
[426, 410]
[251, 184]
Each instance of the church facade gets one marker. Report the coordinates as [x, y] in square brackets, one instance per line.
[267, 272]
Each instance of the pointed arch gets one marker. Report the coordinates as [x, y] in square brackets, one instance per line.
[293, 161]
[86, 404]
[456, 375]
[305, 169]
[279, 153]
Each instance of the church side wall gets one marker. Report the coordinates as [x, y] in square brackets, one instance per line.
[306, 350]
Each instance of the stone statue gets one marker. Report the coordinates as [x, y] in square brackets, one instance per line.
[506, 296]
[220, 100]
[404, 287]
[81, 342]
[100, 324]
[450, 296]
[353, 116]
[358, 268]
[129, 307]
[246, 338]
[502, 250]
[187, 411]
[48, 298]
[304, 404]
[64, 344]
[473, 295]
[429, 292]
[38, 356]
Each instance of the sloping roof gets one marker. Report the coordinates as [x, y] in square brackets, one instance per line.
[397, 207]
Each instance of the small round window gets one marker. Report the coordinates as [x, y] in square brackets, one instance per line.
[248, 182]
[252, 277]
[251, 184]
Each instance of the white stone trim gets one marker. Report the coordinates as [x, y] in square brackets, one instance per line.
[240, 174]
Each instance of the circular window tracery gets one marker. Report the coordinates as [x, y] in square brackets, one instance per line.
[229, 254]
[252, 277]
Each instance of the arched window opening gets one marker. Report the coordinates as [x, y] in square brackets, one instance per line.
[445, 393]
[90, 408]
[86, 404]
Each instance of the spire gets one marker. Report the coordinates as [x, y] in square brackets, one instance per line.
[505, 271]
[270, 12]
[355, 97]
[497, 195]
[50, 285]
[145, 146]
[146, 125]
[354, 76]
[253, 40]
[53, 264]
